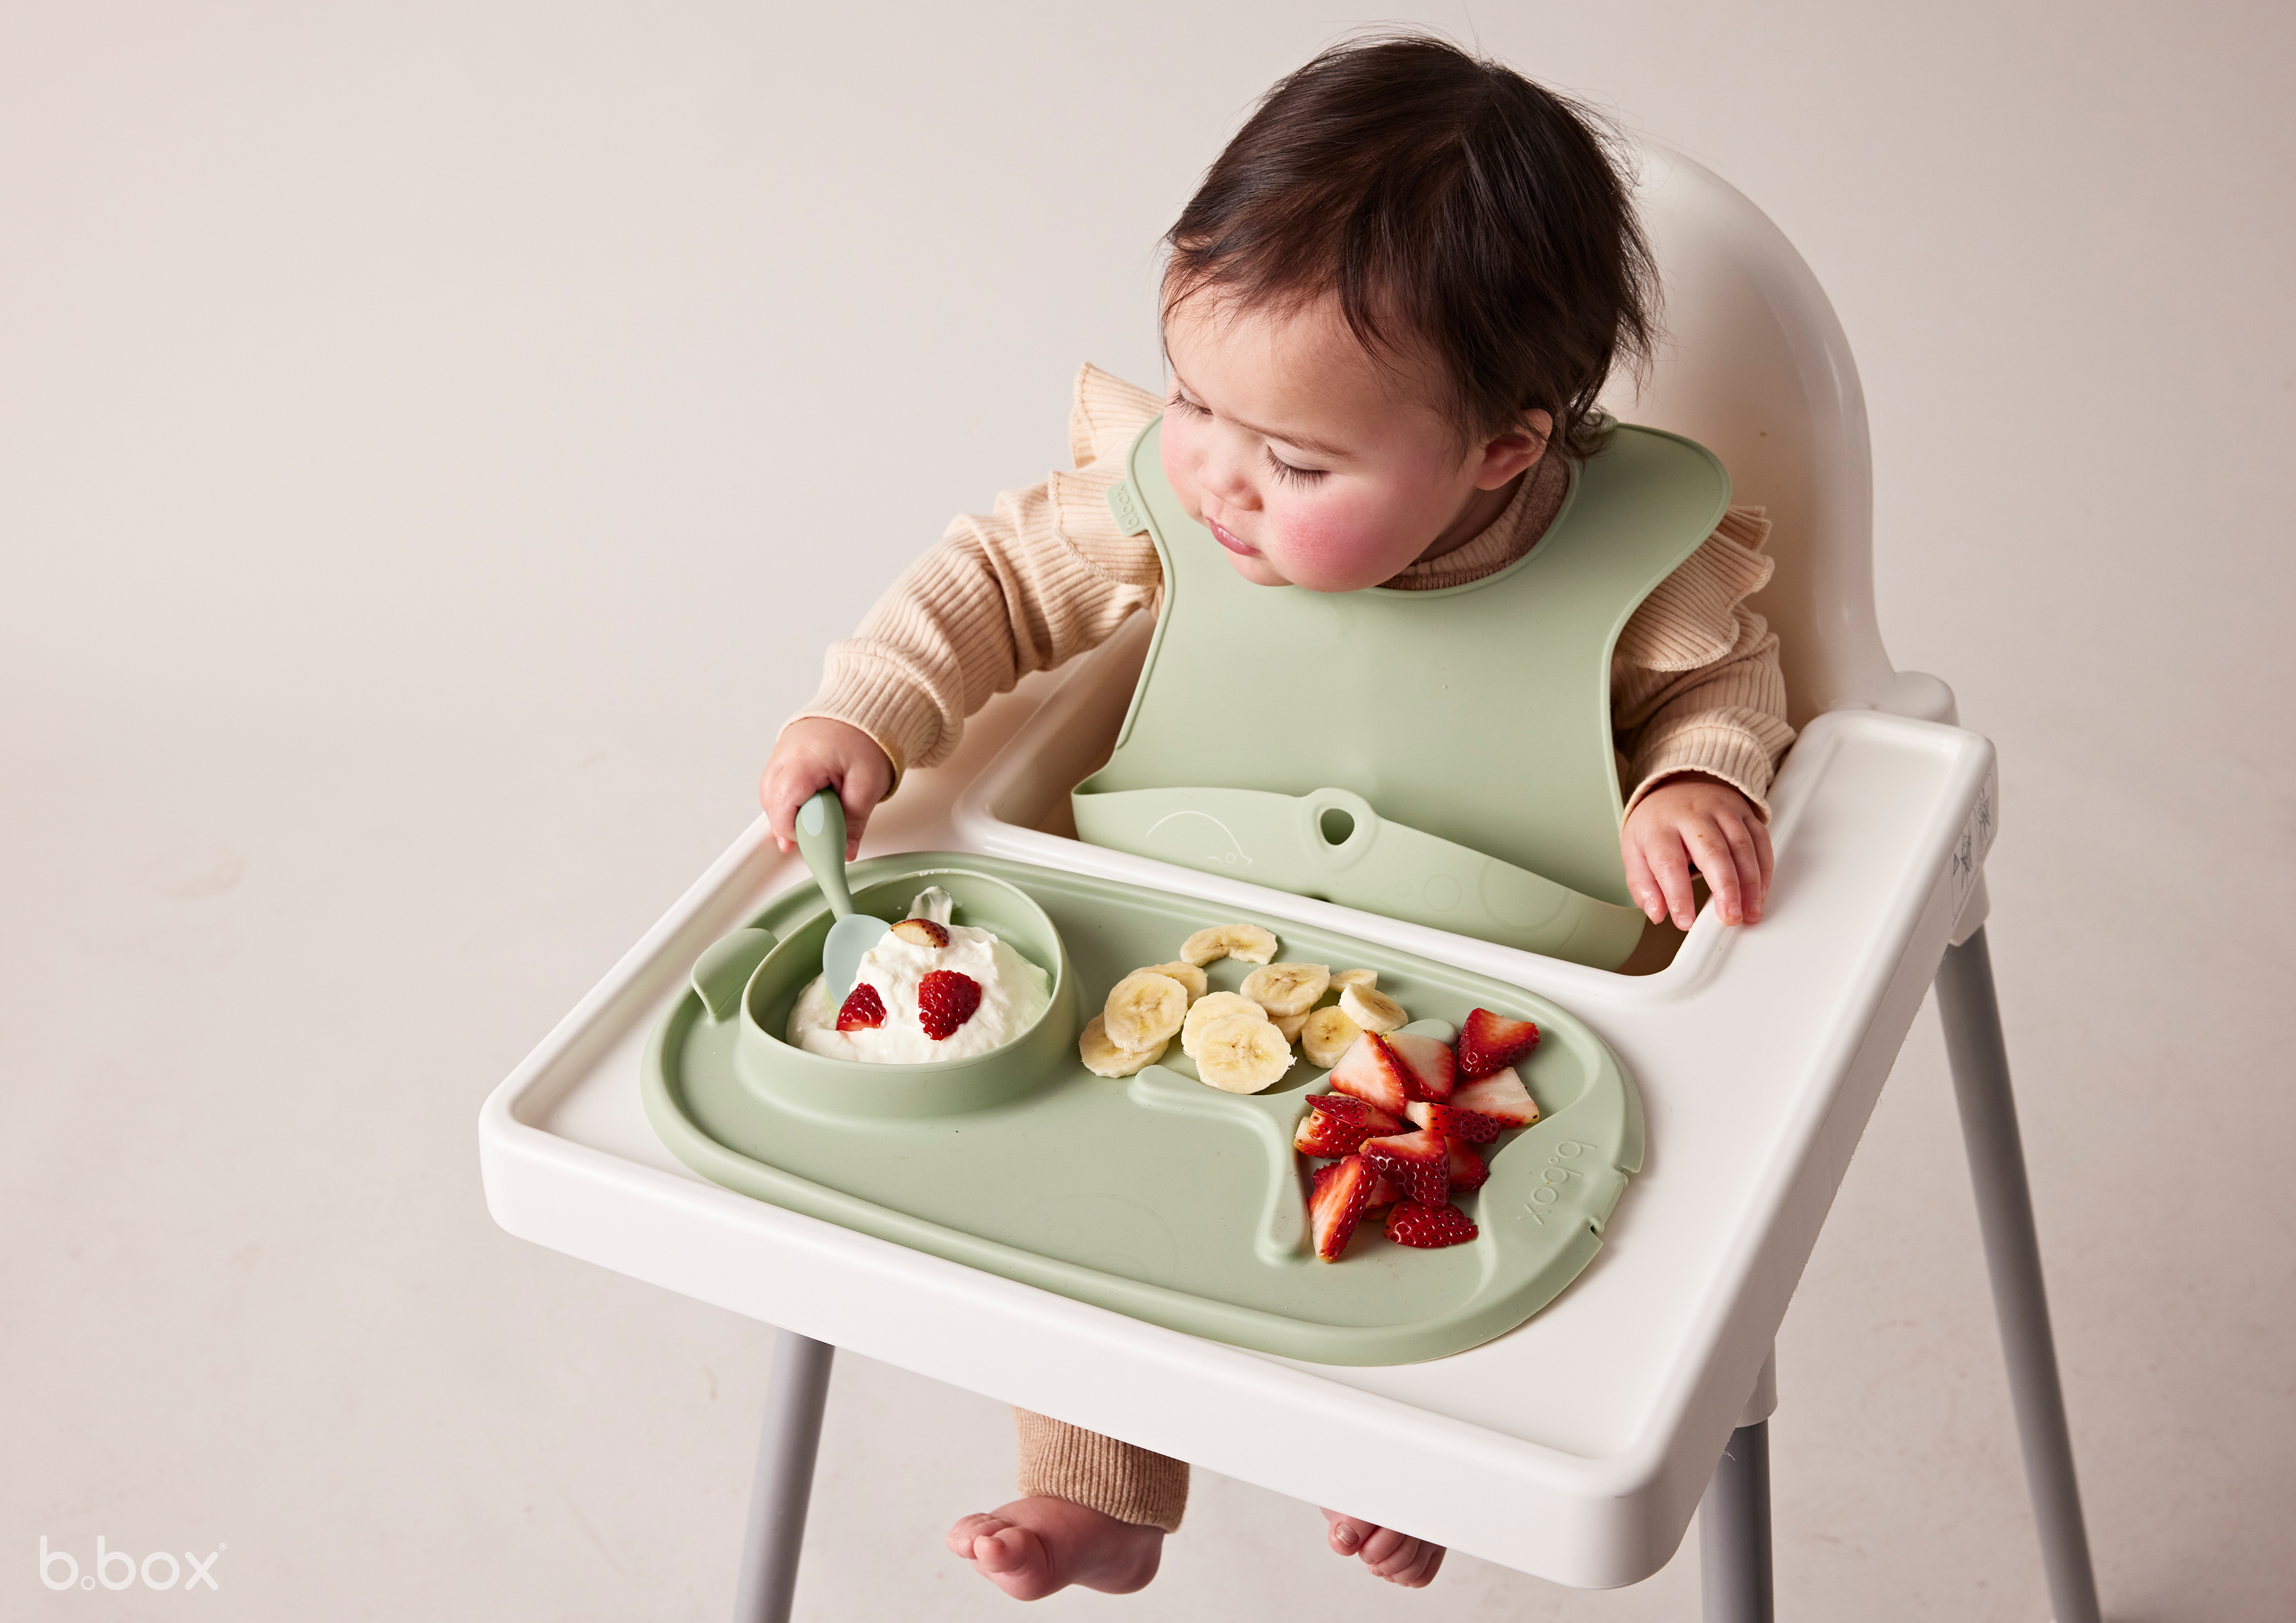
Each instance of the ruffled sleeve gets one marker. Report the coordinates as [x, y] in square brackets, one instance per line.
[1695, 684]
[1108, 417]
[1028, 587]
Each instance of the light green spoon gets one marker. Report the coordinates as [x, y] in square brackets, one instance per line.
[821, 836]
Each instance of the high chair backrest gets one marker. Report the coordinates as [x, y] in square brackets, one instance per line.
[1754, 365]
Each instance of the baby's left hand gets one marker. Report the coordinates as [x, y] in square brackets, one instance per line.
[1697, 821]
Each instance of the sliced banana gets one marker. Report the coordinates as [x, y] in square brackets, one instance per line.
[1328, 1034]
[1143, 1009]
[1247, 942]
[1287, 989]
[1210, 1008]
[1242, 1054]
[1188, 975]
[1372, 1010]
[1205, 946]
[1345, 979]
[1289, 1025]
[1250, 944]
[1103, 1058]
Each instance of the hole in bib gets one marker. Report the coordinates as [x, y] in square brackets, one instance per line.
[1337, 826]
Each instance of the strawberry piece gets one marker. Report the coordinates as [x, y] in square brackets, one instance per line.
[1468, 1172]
[1334, 1204]
[1371, 1072]
[946, 999]
[1501, 1095]
[1383, 1192]
[1492, 1042]
[1468, 1127]
[1429, 1225]
[863, 1009]
[1431, 1065]
[1416, 1163]
[1337, 1124]
[922, 933]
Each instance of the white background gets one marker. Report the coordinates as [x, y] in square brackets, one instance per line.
[436, 442]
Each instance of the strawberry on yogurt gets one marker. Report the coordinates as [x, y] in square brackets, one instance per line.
[931, 962]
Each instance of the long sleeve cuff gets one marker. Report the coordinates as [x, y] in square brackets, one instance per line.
[1099, 1472]
[864, 690]
[1716, 743]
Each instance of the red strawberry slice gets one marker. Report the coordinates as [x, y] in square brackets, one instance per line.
[1337, 1124]
[1431, 1065]
[1416, 1163]
[1337, 1200]
[945, 1000]
[1383, 1192]
[1468, 1127]
[1492, 1042]
[863, 1010]
[922, 933]
[1501, 1095]
[1468, 1172]
[1429, 1225]
[1370, 1071]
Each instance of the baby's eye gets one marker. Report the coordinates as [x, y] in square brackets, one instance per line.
[1182, 403]
[1291, 475]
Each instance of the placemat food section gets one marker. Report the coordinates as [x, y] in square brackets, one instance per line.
[1155, 1195]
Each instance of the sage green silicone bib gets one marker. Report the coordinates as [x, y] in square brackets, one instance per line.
[1443, 758]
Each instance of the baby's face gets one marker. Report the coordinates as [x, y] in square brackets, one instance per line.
[1313, 463]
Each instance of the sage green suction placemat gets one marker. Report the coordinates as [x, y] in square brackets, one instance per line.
[1155, 1195]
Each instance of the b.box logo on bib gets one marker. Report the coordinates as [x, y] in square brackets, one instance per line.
[118, 1569]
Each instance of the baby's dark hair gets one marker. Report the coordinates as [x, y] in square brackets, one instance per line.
[1443, 198]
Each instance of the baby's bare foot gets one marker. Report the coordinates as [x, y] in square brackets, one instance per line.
[1032, 1547]
[1397, 1557]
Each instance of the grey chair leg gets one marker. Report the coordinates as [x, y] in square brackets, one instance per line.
[2012, 1257]
[784, 1480]
[1734, 1532]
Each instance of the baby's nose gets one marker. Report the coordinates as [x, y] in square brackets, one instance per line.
[1229, 478]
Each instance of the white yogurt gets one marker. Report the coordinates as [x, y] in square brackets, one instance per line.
[1013, 992]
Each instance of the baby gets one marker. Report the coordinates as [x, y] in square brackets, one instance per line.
[1386, 315]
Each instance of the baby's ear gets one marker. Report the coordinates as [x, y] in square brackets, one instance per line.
[1514, 448]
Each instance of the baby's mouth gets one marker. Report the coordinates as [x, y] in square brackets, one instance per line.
[1227, 539]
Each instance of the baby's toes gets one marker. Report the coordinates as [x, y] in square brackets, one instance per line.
[1388, 1562]
[1009, 1552]
[1411, 1564]
[1016, 1560]
[972, 1526]
[1345, 1534]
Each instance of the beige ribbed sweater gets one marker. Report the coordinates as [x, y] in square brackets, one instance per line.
[1694, 687]
[1695, 683]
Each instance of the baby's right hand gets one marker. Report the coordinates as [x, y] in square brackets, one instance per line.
[817, 754]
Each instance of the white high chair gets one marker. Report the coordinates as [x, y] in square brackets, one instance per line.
[1759, 1054]
[1759, 370]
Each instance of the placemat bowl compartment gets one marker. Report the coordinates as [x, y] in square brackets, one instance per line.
[821, 1085]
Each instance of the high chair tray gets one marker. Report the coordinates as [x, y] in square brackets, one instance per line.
[1157, 1196]
[1576, 1446]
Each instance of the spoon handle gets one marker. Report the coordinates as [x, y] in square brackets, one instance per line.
[821, 836]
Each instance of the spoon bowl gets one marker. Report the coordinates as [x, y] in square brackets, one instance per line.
[821, 837]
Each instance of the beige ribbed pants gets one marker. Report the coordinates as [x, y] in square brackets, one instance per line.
[1085, 1468]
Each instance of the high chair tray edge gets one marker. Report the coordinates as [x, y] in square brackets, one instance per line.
[1575, 1447]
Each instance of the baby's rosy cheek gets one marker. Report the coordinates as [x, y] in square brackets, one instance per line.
[1321, 546]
